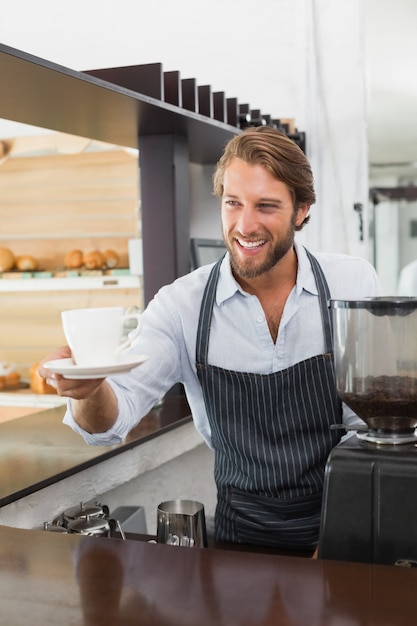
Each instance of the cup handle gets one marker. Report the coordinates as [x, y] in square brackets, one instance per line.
[133, 333]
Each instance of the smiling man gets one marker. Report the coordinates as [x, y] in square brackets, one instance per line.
[250, 338]
[260, 215]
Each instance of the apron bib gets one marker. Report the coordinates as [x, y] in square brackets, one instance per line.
[271, 437]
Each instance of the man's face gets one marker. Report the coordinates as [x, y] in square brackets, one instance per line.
[258, 218]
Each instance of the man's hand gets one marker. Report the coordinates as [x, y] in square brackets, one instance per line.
[76, 389]
[93, 402]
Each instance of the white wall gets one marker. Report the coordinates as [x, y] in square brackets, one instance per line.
[407, 214]
[387, 248]
[337, 123]
[289, 58]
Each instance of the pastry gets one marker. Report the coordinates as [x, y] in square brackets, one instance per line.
[7, 259]
[37, 383]
[74, 259]
[111, 258]
[12, 379]
[93, 260]
[9, 377]
[26, 263]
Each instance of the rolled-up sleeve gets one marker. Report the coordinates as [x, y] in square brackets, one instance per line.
[116, 434]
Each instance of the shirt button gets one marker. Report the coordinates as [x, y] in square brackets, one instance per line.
[260, 318]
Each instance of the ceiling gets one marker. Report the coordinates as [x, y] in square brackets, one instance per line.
[391, 49]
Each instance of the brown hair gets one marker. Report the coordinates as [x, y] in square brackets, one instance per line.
[280, 155]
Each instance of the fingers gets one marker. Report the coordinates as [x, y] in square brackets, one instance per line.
[50, 379]
[61, 353]
[70, 388]
[76, 389]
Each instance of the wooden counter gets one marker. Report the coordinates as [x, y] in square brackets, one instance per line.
[50, 578]
[37, 450]
[8, 413]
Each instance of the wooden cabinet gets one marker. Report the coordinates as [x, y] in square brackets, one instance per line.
[50, 205]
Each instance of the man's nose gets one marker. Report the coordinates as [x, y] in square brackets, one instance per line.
[248, 220]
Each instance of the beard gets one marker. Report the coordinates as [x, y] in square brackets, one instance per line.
[251, 268]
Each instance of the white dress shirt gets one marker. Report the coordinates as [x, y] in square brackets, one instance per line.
[239, 339]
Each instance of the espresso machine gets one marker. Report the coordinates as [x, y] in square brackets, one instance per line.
[369, 511]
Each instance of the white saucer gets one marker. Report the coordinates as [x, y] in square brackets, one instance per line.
[68, 369]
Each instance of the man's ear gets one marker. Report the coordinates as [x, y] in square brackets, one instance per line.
[302, 213]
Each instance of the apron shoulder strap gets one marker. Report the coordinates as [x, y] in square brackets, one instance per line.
[324, 297]
[206, 311]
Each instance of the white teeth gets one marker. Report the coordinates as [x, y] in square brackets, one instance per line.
[251, 244]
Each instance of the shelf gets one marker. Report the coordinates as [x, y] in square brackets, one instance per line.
[9, 285]
[31, 400]
[55, 97]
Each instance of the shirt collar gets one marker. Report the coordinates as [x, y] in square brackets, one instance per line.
[305, 276]
[227, 285]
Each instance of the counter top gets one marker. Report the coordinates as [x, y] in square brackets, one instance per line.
[37, 450]
[51, 578]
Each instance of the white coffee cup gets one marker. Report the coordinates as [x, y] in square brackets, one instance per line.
[95, 334]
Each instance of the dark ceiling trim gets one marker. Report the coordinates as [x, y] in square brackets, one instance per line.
[378, 194]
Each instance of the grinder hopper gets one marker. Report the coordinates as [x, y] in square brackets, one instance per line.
[375, 356]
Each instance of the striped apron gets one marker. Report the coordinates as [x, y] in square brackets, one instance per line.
[271, 437]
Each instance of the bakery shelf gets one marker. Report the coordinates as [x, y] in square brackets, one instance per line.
[69, 284]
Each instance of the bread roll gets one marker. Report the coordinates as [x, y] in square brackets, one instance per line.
[7, 259]
[37, 383]
[26, 263]
[74, 259]
[111, 258]
[93, 260]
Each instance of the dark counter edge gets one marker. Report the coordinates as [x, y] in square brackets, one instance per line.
[171, 403]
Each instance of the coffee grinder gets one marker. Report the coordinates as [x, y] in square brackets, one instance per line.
[369, 511]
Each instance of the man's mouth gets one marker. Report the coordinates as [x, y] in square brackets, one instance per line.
[250, 245]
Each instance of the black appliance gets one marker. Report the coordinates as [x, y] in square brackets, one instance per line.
[369, 511]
